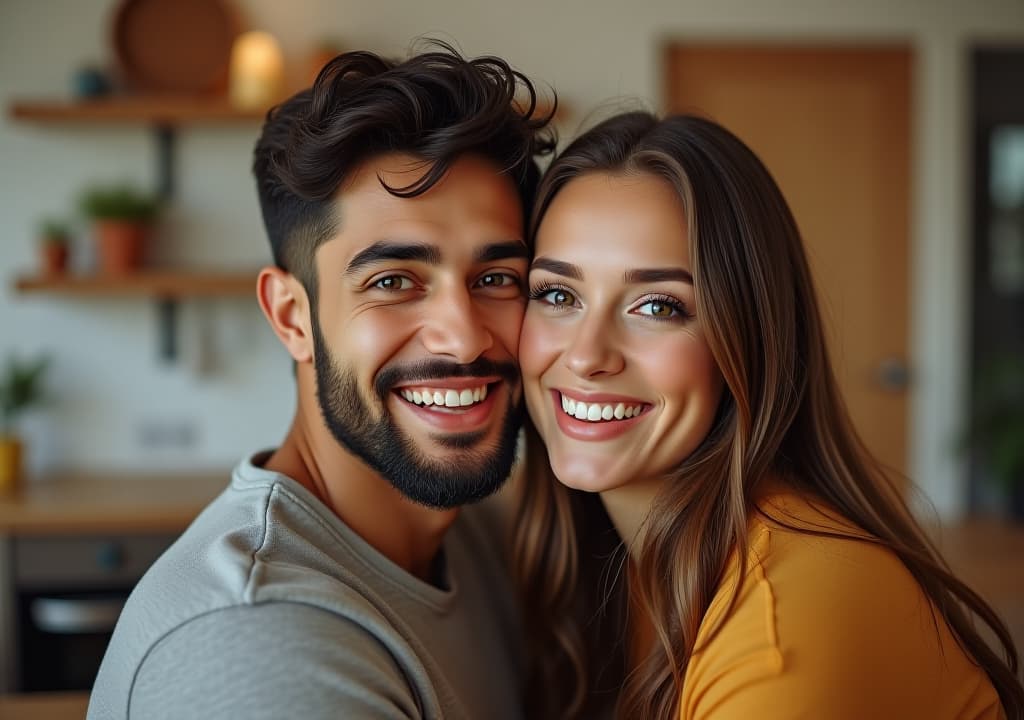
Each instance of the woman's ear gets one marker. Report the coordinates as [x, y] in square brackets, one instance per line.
[286, 306]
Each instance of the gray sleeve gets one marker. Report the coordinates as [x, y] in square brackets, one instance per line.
[276, 660]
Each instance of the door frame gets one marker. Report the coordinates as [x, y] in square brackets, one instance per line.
[939, 250]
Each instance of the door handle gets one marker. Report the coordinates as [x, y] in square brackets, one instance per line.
[892, 375]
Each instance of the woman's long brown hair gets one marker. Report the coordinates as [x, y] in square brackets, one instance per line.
[781, 416]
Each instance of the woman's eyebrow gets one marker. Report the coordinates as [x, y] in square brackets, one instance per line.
[557, 267]
[652, 275]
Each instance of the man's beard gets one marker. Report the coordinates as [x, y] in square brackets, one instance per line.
[380, 443]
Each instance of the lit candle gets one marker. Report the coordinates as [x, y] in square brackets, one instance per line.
[256, 70]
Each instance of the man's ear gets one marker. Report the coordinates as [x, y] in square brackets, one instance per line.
[286, 306]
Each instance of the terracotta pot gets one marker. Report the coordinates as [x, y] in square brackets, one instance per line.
[121, 245]
[55, 257]
[10, 463]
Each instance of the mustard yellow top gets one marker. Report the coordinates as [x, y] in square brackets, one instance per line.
[828, 628]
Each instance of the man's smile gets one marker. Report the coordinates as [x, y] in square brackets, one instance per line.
[445, 397]
[458, 405]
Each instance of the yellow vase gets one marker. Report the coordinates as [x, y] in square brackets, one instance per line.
[10, 463]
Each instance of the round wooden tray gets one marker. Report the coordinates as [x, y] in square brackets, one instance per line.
[175, 46]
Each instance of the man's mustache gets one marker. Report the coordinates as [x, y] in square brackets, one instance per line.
[394, 375]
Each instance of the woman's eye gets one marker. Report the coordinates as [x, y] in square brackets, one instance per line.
[557, 297]
[394, 283]
[661, 309]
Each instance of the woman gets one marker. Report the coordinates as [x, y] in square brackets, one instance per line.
[676, 374]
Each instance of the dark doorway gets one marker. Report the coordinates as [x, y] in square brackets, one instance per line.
[997, 308]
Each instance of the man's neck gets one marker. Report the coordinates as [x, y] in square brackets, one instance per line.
[405, 532]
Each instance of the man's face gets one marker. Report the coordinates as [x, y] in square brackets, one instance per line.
[416, 328]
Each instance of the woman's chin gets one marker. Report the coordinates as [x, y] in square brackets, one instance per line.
[588, 476]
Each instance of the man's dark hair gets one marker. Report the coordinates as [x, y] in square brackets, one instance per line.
[435, 106]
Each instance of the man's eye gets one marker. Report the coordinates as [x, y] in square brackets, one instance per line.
[394, 283]
[497, 280]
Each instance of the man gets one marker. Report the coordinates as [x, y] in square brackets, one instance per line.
[335, 577]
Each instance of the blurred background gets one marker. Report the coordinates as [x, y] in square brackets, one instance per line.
[135, 381]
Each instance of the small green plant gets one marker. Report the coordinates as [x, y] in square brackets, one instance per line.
[21, 386]
[997, 424]
[118, 202]
[54, 231]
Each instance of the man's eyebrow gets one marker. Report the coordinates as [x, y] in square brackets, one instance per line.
[391, 250]
[502, 251]
[557, 267]
[653, 275]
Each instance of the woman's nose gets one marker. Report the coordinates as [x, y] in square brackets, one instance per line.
[594, 350]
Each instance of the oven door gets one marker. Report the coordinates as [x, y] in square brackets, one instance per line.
[68, 592]
[64, 636]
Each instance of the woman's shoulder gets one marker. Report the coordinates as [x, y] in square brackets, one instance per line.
[827, 617]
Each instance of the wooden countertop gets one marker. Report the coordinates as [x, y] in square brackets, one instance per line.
[109, 503]
[44, 706]
[987, 553]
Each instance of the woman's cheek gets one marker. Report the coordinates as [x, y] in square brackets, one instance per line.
[538, 346]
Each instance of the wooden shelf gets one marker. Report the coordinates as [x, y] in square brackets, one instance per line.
[154, 110]
[163, 113]
[165, 284]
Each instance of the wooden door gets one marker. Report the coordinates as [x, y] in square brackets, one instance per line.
[832, 124]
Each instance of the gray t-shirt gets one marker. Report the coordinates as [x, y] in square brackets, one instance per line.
[269, 606]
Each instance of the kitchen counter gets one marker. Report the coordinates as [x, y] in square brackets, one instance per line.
[116, 524]
[109, 503]
[44, 706]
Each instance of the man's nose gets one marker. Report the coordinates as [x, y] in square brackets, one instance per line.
[456, 327]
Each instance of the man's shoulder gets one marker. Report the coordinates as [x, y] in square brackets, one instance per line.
[260, 564]
[274, 659]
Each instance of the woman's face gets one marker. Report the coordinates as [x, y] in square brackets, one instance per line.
[618, 376]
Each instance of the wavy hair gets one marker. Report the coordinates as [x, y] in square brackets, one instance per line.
[781, 415]
[435, 106]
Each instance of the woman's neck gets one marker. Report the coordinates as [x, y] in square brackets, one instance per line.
[628, 507]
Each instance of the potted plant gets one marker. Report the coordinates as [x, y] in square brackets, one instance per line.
[54, 244]
[122, 216]
[21, 386]
[997, 426]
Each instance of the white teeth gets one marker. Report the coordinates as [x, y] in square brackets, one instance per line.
[596, 412]
[445, 398]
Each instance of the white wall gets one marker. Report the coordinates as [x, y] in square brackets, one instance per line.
[107, 377]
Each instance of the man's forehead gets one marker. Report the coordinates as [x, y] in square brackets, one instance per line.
[399, 170]
[473, 211]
